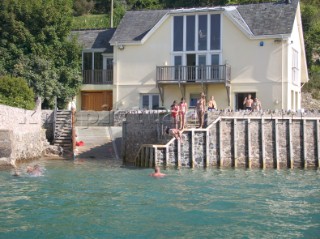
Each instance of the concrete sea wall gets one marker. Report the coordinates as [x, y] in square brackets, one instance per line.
[230, 139]
[21, 134]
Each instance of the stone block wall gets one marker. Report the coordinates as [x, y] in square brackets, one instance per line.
[250, 140]
[21, 134]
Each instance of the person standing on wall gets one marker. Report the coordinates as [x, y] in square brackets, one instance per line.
[174, 113]
[247, 102]
[183, 107]
[201, 107]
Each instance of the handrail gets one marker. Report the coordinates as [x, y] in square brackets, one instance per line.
[54, 118]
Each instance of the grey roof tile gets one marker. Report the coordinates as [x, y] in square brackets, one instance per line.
[136, 24]
[95, 39]
[256, 19]
[269, 18]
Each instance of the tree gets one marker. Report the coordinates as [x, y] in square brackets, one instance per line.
[16, 92]
[35, 44]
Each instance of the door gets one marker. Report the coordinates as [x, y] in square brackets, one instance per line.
[191, 67]
[96, 100]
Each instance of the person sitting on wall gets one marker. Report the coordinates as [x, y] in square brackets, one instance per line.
[157, 173]
[174, 132]
[212, 104]
[256, 105]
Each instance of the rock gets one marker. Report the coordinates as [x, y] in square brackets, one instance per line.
[308, 103]
[53, 150]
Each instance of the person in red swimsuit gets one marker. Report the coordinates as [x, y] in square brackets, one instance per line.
[183, 107]
[174, 113]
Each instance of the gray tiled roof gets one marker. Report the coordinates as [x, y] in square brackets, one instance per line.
[136, 24]
[95, 39]
[256, 19]
[269, 18]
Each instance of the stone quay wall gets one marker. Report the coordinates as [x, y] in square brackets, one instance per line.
[21, 134]
[231, 139]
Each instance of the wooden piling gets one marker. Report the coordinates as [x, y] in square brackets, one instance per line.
[235, 150]
[276, 144]
[318, 144]
[207, 148]
[290, 145]
[179, 154]
[220, 144]
[304, 145]
[151, 159]
[192, 148]
[248, 144]
[263, 149]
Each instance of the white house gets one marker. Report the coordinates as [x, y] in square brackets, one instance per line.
[228, 52]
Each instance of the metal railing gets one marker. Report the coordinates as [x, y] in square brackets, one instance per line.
[97, 76]
[198, 74]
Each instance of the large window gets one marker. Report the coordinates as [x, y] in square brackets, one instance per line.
[178, 33]
[295, 68]
[197, 32]
[150, 101]
[215, 32]
[203, 32]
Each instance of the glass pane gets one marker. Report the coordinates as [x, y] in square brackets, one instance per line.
[215, 59]
[178, 69]
[98, 62]
[202, 33]
[109, 64]
[215, 32]
[193, 99]
[87, 61]
[178, 33]
[202, 60]
[155, 101]
[145, 101]
[191, 28]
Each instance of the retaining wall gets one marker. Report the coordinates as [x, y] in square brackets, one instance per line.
[230, 139]
[21, 134]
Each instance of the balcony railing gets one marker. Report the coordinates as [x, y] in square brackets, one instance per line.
[97, 77]
[191, 74]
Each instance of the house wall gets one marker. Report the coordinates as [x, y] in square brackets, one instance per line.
[257, 65]
[254, 68]
[136, 67]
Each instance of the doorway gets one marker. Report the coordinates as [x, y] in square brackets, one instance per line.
[239, 98]
[96, 100]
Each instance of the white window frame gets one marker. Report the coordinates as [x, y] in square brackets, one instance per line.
[150, 100]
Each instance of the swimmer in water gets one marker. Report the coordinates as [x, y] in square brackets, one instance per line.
[35, 170]
[157, 173]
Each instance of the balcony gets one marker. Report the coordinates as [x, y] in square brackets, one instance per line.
[194, 74]
[97, 77]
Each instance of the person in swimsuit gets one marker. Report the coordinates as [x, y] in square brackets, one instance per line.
[201, 106]
[174, 113]
[212, 104]
[157, 173]
[183, 107]
[247, 102]
[256, 105]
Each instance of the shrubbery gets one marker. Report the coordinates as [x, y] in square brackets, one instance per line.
[16, 92]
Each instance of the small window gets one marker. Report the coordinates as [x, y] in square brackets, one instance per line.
[150, 101]
[193, 99]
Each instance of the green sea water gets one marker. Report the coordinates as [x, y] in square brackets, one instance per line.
[99, 199]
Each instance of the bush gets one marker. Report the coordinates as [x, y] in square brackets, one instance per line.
[16, 92]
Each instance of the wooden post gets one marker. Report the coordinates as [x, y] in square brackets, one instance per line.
[318, 143]
[305, 161]
[235, 150]
[142, 157]
[167, 155]
[156, 157]
[220, 144]
[249, 144]
[207, 148]
[276, 143]
[263, 148]
[146, 161]
[290, 145]
[152, 157]
[192, 148]
[179, 154]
